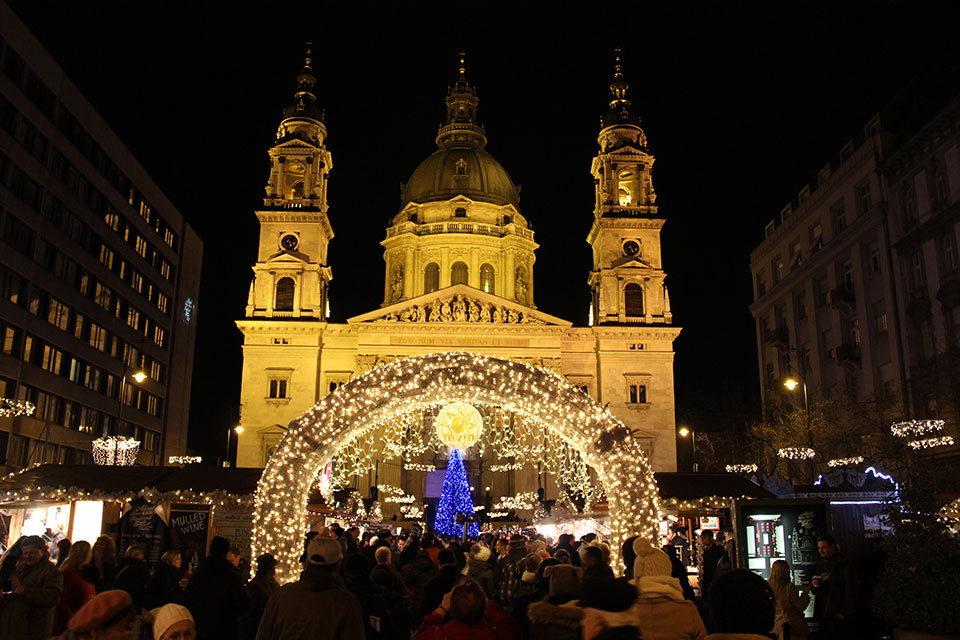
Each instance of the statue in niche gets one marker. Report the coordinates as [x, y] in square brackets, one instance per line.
[445, 315]
[459, 309]
[498, 315]
[474, 311]
[435, 311]
[396, 286]
[485, 313]
[419, 314]
[521, 285]
[407, 314]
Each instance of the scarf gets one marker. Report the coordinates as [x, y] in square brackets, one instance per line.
[658, 587]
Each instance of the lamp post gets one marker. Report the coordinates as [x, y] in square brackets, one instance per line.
[684, 432]
[791, 384]
[238, 430]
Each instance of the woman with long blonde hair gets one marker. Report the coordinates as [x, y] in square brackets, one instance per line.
[789, 623]
[77, 588]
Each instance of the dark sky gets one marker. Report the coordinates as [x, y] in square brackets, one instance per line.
[742, 104]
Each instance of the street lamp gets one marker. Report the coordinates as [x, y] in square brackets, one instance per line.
[238, 430]
[791, 384]
[684, 432]
[139, 376]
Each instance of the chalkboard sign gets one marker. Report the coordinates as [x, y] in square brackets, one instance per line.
[141, 525]
[187, 531]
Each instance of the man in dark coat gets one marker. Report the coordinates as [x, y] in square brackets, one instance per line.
[835, 586]
[385, 574]
[442, 584]
[315, 607]
[134, 575]
[215, 594]
[259, 590]
[712, 552]
[27, 613]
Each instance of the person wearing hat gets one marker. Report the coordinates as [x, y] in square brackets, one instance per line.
[35, 587]
[478, 568]
[173, 622]
[558, 617]
[107, 616]
[215, 594]
[662, 611]
[317, 605]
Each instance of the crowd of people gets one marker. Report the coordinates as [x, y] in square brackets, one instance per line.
[383, 586]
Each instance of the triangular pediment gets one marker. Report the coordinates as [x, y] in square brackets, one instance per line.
[289, 256]
[633, 261]
[460, 304]
[294, 143]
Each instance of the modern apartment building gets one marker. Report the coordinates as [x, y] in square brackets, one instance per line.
[99, 278]
[857, 283]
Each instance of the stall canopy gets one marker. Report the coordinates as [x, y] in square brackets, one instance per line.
[86, 482]
[694, 486]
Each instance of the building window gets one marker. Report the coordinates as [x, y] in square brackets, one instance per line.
[638, 393]
[816, 238]
[458, 273]
[863, 198]
[875, 260]
[939, 185]
[431, 277]
[627, 188]
[948, 253]
[487, 281]
[916, 270]
[633, 299]
[761, 284]
[839, 214]
[823, 292]
[848, 274]
[460, 212]
[909, 207]
[58, 315]
[285, 291]
[278, 388]
[776, 266]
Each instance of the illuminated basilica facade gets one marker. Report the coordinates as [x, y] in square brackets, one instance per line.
[459, 275]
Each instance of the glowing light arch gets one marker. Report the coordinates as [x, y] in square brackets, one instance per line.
[368, 400]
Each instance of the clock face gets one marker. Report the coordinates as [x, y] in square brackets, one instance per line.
[631, 248]
[289, 241]
[297, 167]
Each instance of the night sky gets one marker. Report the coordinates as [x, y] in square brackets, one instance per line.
[742, 105]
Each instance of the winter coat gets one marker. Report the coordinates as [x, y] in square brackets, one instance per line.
[386, 615]
[387, 576]
[102, 580]
[216, 598]
[790, 610]
[315, 607]
[554, 622]
[420, 573]
[736, 636]
[133, 579]
[837, 593]
[708, 570]
[510, 575]
[496, 625]
[30, 616]
[164, 587]
[480, 571]
[259, 591]
[662, 613]
[437, 588]
[77, 590]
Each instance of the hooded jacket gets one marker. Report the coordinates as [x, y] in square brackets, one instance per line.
[216, 598]
[417, 577]
[30, 616]
[555, 622]
[315, 607]
[479, 569]
[662, 613]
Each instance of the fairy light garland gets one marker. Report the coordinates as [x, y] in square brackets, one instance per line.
[507, 466]
[930, 443]
[11, 408]
[185, 459]
[392, 389]
[796, 453]
[845, 462]
[742, 468]
[916, 428]
[416, 466]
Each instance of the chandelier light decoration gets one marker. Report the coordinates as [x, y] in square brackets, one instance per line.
[742, 468]
[459, 425]
[796, 453]
[10, 408]
[930, 443]
[185, 459]
[118, 451]
[511, 394]
[916, 428]
[845, 462]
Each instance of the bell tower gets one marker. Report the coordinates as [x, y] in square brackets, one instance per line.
[291, 276]
[627, 281]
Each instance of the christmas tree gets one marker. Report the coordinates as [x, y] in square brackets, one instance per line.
[455, 498]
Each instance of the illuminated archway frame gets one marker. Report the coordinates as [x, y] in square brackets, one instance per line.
[388, 389]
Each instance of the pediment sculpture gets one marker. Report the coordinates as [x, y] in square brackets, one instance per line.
[460, 308]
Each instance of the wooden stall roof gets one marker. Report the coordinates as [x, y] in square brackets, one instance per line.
[693, 486]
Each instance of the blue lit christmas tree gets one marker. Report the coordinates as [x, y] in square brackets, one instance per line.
[455, 498]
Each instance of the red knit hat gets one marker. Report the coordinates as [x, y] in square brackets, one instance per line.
[100, 610]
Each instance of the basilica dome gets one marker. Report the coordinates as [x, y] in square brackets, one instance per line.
[461, 170]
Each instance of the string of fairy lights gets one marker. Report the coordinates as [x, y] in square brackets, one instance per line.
[391, 395]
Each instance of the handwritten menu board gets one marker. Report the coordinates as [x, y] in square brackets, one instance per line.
[141, 525]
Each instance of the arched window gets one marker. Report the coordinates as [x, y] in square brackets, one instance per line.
[431, 277]
[628, 188]
[633, 299]
[297, 191]
[285, 289]
[458, 273]
[487, 281]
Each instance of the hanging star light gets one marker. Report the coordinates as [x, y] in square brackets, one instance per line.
[459, 425]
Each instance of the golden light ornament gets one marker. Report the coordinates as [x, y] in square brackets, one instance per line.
[391, 389]
[742, 468]
[845, 462]
[459, 425]
[119, 451]
[796, 453]
[930, 443]
[915, 428]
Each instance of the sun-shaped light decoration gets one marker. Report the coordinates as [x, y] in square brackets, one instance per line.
[459, 425]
